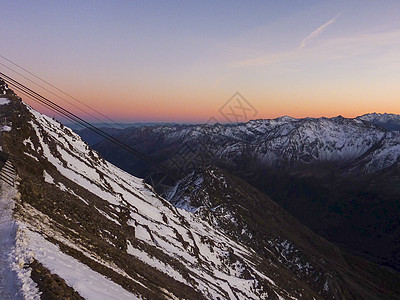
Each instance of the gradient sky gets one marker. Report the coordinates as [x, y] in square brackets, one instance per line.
[180, 61]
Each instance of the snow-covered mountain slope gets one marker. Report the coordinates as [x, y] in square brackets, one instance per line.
[384, 155]
[251, 218]
[387, 121]
[320, 140]
[94, 231]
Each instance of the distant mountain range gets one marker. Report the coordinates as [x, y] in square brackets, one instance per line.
[277, 143]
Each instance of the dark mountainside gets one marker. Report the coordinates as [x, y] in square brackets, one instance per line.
[92, 138]
[250, 217]
[338, 176]
[238, 244]
[113, 130]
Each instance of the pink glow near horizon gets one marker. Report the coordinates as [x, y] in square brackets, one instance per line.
[141, 62]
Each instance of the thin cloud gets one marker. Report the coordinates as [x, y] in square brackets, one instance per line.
[266, 60]
[223, 78]
[317, 32]
[381, 44]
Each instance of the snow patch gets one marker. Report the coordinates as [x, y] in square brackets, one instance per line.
[47, 177]
[4, 101]
[5, 127]
[88, 283]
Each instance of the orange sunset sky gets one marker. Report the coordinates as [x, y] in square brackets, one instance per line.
[182, 61]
